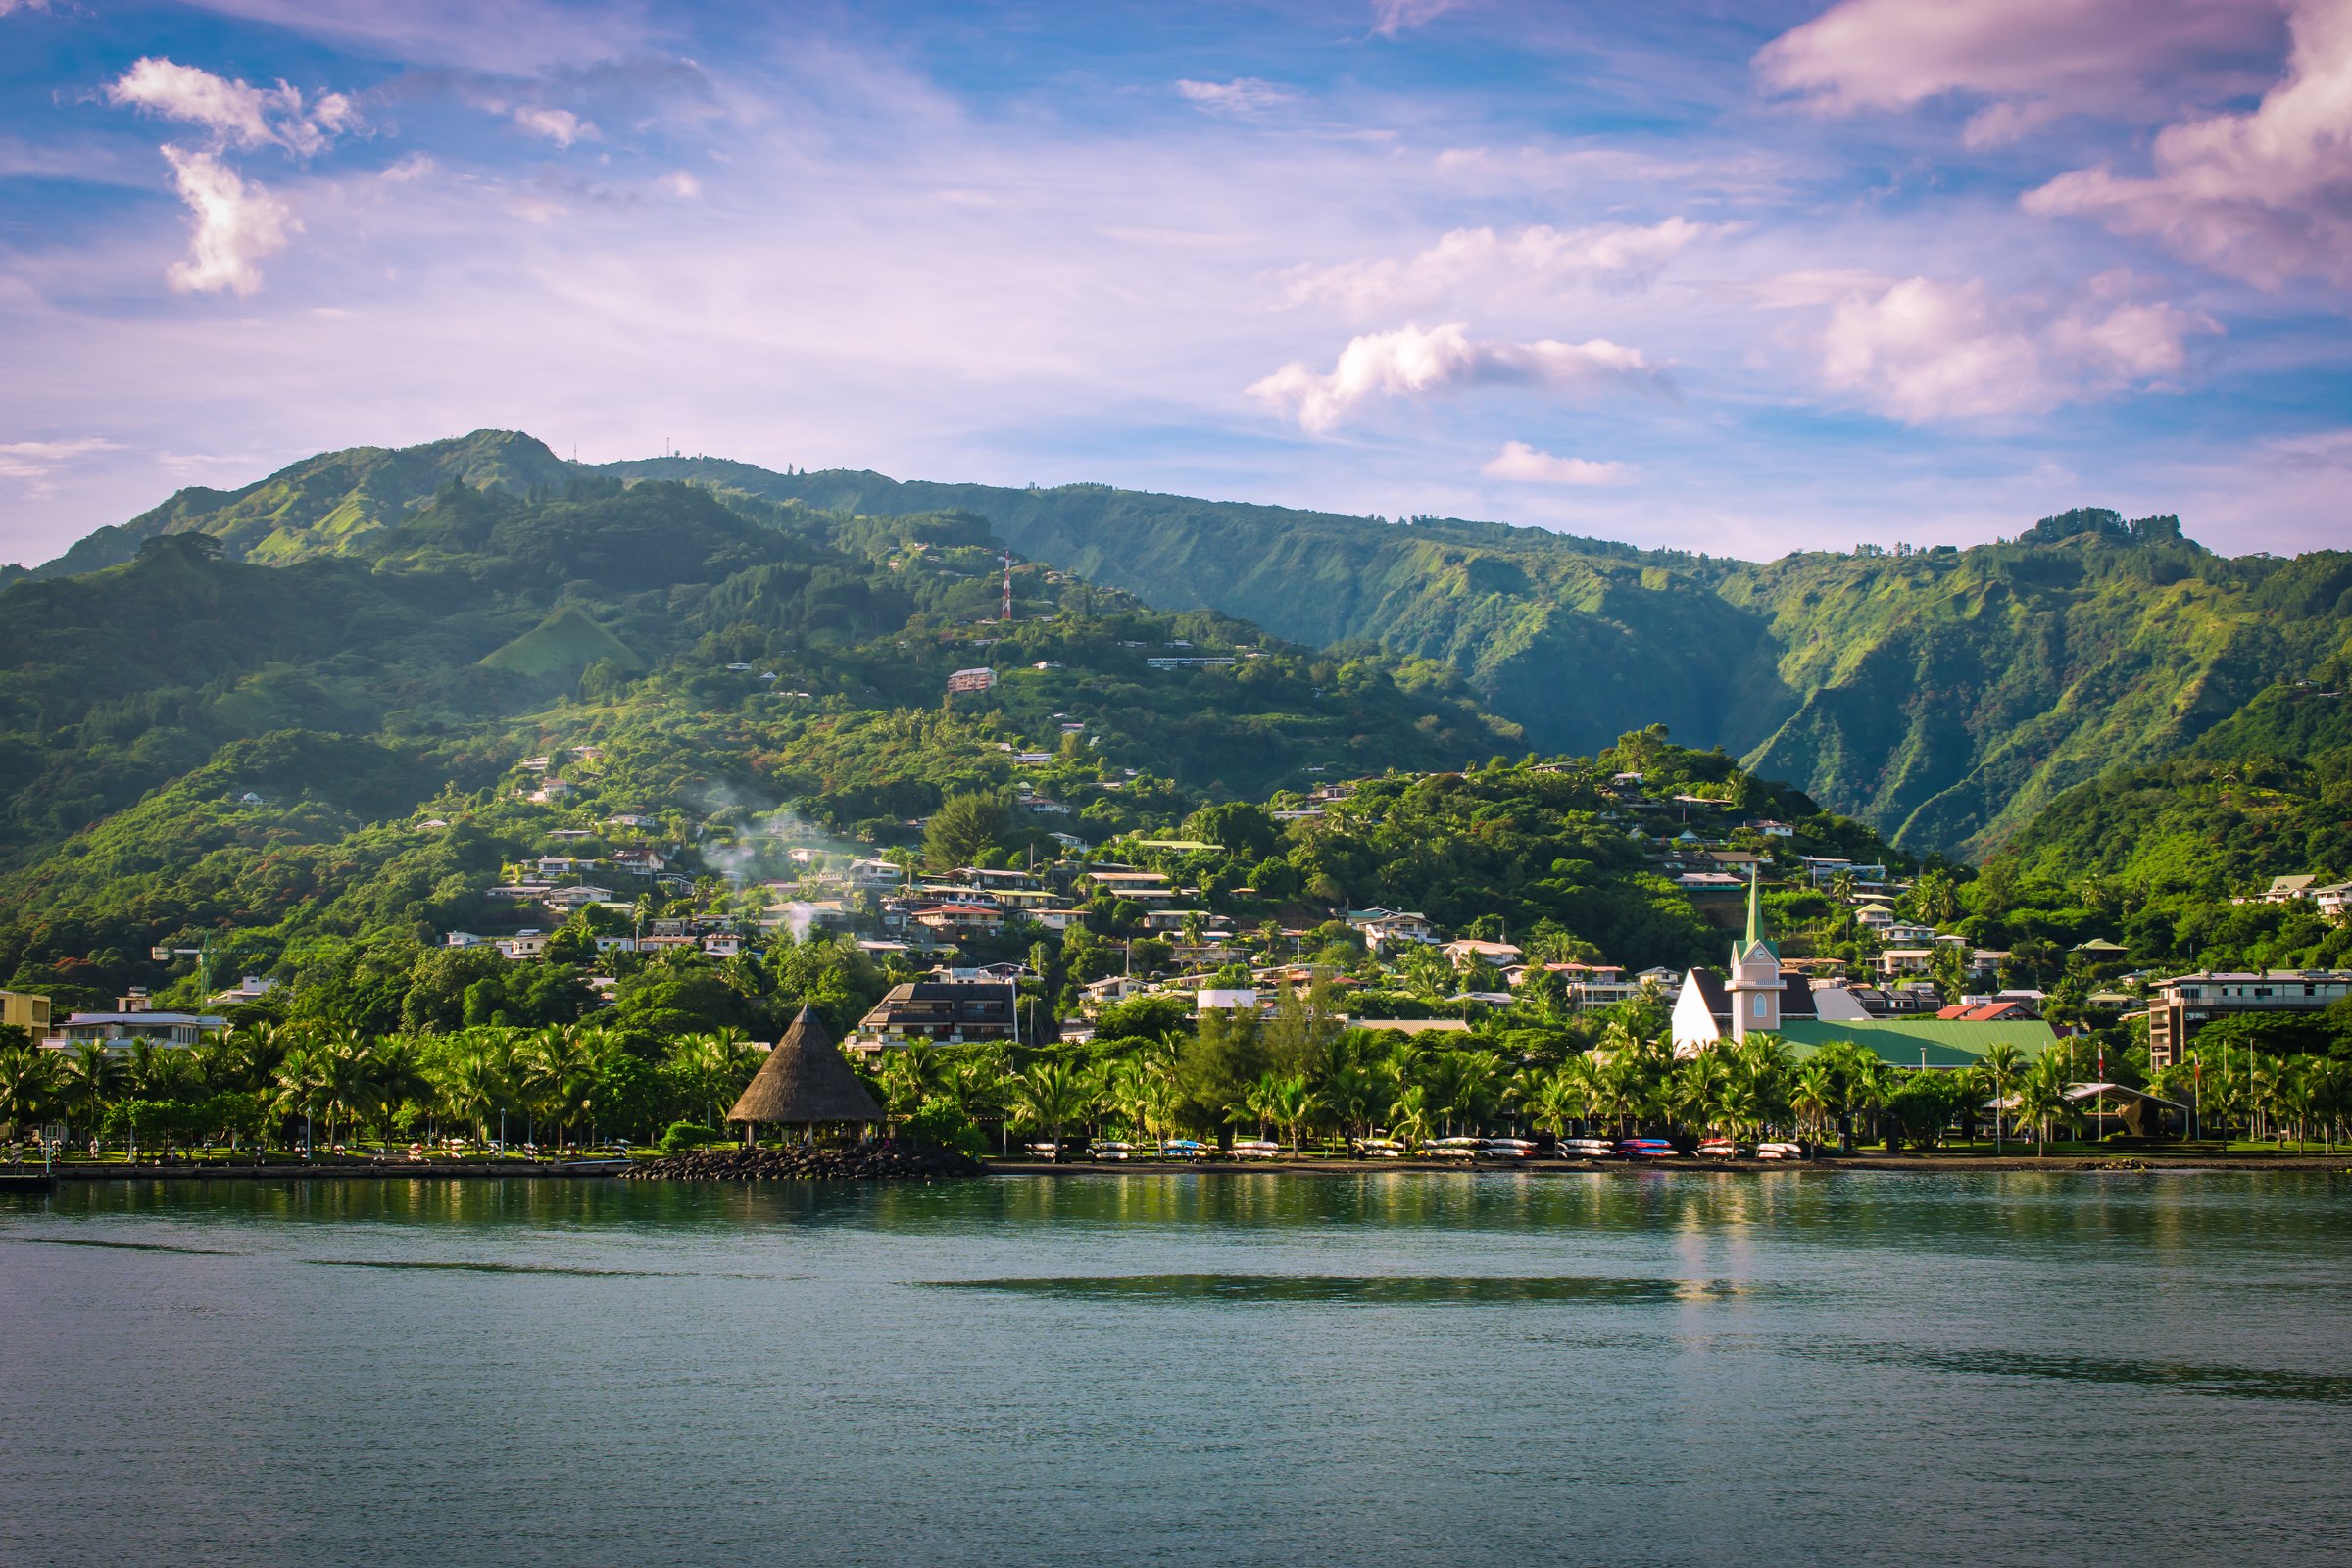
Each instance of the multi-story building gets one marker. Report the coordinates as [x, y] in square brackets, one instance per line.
[2185, 1004]
[953, 1012]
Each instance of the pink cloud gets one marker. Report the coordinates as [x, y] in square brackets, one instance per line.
[2035, 57]
[1927, 350]
[2265, 196]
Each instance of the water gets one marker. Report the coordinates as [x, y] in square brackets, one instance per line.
[1596, 1369]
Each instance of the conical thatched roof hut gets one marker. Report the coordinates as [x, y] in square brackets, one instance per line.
[805, 1079]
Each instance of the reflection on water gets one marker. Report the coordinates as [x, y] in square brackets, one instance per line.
[1637, 1368]
[1368, 1291]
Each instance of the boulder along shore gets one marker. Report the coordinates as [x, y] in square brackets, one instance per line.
[805, 1165]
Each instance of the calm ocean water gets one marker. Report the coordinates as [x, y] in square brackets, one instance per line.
[1600, 1370]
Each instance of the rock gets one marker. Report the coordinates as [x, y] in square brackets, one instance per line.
[807, 1164]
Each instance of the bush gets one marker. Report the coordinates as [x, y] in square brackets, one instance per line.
[942, 1121]
[685, 1134]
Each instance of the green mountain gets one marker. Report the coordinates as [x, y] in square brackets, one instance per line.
[1943, 696]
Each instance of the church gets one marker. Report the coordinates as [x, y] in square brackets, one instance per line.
[1756, 997]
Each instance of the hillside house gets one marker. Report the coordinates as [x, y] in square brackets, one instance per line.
[1463, 953]
[2185, 1004]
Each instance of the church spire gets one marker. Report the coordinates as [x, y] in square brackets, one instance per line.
[1753, 877]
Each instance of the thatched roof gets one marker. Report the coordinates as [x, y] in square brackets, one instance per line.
[805, 1078]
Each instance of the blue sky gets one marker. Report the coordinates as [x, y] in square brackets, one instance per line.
[1741, 278]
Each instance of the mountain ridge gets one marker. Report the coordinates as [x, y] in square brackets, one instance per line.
[1943, 696]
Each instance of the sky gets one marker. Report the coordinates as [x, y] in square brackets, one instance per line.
[1741, 278]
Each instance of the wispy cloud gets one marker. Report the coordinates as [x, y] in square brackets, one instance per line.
[1392, 16]
[1479, 262]
[1243, 96]
[1412, 363]
[559, 125]
[2034, 59]
[1523, 463]
[2265, 196]
[31, 462]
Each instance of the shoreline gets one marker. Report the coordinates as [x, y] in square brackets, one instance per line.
[36, 1180]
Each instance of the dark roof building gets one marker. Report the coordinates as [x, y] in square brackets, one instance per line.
[951, 1011]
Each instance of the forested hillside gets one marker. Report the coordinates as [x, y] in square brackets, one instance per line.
[1944, 696]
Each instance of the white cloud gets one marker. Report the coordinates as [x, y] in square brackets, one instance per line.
[31, 462]
[6, 6]
[679, 183]
[241, 115]
[1243, 95]
[2035, 57]
[416, 166]
[1409, 362]
[1392, 16]
[1622, 255]
[1925, 350]
[559, 125]
[2264, 196]
[1522, 462]
[236, 223]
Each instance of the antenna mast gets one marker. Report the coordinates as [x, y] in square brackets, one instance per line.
[1007, 615]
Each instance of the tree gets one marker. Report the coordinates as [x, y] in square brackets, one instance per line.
[1053, 1093]
[1236, 826]
[2040, 1095]
[1997, 1071]
[91, 1077]
[29, 1078]
[962, 827]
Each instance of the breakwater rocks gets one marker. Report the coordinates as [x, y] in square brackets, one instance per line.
[805, 1165]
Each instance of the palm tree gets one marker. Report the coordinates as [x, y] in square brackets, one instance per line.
[473, 1084]
[1734, 1107]
[396, 1077]
[1408, 1117]
[1813, 1094]
[1552, 1102]
[293, 1087]
[1870, 1084]
[560, 1071]
[91, 1076]
[1051, 1094]
[2040, 1095]
[1999, 1069]
[28, 1079]
[339, 1072]
[1291, 1102]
